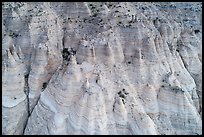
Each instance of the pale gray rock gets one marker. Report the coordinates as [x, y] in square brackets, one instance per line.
[102, 68]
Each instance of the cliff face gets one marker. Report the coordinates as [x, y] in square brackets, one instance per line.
[101, 68]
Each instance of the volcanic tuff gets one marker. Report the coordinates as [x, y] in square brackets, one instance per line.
[101, 68]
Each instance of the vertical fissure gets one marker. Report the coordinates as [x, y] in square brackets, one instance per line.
[26, 91]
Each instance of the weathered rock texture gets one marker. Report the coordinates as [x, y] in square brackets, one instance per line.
[101, 68]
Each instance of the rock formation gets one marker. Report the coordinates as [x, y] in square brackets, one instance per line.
[102, 68]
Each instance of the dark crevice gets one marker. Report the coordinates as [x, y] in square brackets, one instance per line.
[65, 56]
[63, 41]
[44, 86]
[123, 101]
[114, 105]
[26, 91]
[196, 31]
[31, 111]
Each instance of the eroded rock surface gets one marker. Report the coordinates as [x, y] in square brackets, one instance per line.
[101, 68]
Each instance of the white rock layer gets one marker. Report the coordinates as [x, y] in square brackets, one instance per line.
[101, 68]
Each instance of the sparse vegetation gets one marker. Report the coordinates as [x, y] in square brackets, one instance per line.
[173, 88]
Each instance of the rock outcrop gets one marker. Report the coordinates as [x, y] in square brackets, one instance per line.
[102, 68]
